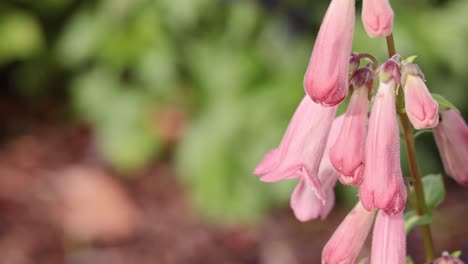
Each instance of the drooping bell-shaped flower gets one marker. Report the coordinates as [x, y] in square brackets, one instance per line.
[382, 172]
[389, 239]
[301, 149]
[326, 78]
[446, 258]
[377, 17]
[304, 202]
[347, 154]
[421, 108]
[451, 136]
[346, 243]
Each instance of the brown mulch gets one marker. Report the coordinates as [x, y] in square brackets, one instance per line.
[37, 148]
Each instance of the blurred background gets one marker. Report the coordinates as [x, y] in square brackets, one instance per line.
[129, 128]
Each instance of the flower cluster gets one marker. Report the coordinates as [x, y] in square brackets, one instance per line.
[358, 148]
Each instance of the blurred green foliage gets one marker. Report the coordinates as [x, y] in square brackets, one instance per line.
[235, 68]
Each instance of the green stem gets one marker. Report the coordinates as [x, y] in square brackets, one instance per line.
[369, 56]
[421, 207]
[391, 46]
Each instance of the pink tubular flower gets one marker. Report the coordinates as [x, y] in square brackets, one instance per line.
[389, 239]
[377, 17]
[451, 136]
[326, 78]
[382, 173]
[301, 149]
[305, 204]
[347, 154]
[421, 108]
[345, 244]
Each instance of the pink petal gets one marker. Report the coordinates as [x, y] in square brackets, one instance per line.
[346, 243]
[451, 136]
[377, 17]
[326, 78]
[389, 239]
[302, 146]
[382, 172]
[347, 154]
[305, 204]
[315, 197]
[268, 163]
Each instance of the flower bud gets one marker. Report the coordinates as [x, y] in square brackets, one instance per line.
[354, 62]
[421, 108]
[326, 78]
[377, 17]
[447, 259]
[346, 243]
[347, 154]
[390, 71]
[451, 136]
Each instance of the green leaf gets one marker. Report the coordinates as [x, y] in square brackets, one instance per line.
[409, 260]
[444, 103]
[434, 190]
[456, 254]
[21, 36]
[413, 220]
[421, 132]
[80, 38]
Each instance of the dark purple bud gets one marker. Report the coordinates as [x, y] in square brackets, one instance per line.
[363, 76]
[447, 259]
[354, 62]
[390, 70]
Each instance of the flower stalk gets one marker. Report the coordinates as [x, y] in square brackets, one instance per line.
[421, 207]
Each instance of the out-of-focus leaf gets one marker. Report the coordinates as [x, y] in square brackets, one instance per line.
[221, 178]
[434, 190]
[182, 15]
[444, 103]
[158, 71]
[242, 19]
[120, 118]
[116, 10]
[49, 7]
[409, 260]
[422, 132]
[456, 254]
[126, 136]
[413, 220]
[80, 38]
[21, 36]
[137, 35]
[91, 93]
